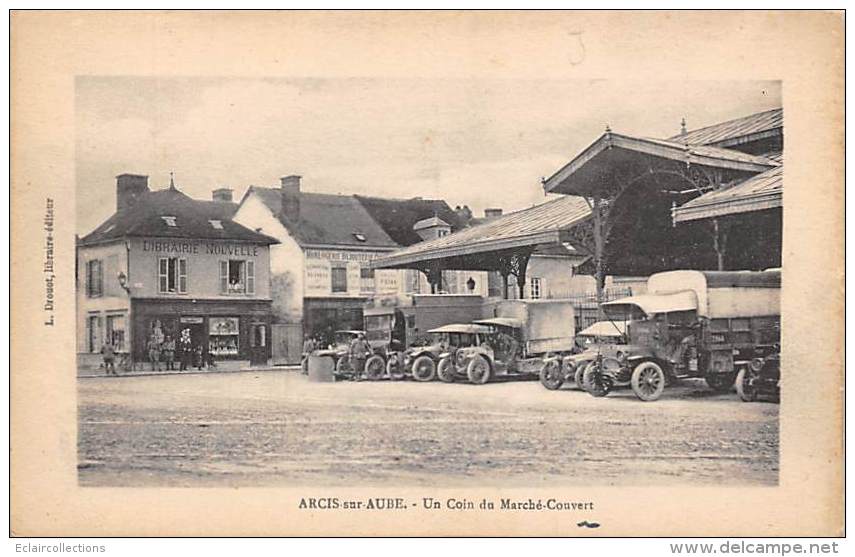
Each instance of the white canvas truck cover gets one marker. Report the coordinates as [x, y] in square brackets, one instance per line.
[724, 294]
[548, 325]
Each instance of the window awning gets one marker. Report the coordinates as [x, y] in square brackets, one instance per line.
[592, 170]
[764, 191]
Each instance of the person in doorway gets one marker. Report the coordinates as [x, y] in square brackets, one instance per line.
[185, 350]
[154, 353]
[199, 357]
[169, 352]
[109, 355]
[359, 352]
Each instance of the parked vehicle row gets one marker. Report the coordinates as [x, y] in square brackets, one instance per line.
[723, 327]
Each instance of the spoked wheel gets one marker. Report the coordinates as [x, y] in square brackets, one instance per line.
[445, 370]
[648, 381]
[551, 375]
[394, 369]
[595, 382]
[478, 370]
[342, 365]
[374, 368]
[424, 369]
[579, 375]
[720, 382]
[745, 384]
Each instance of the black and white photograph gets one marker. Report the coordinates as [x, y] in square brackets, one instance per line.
[294, 281]
[503, 293]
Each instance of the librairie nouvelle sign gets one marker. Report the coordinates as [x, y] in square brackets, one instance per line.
[196, 248]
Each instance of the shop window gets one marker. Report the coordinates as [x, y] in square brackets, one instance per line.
[223, 336]
[172, 275]
[237, 276]
[93, 330]
[94, 278]
[338, 276]
[534, 287]
[115, 332]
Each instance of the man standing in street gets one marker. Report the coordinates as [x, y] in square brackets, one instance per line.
[154, 353]
[359, 351]
[109, 354]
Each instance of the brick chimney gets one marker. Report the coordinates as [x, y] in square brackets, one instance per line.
[290, 198]
[129, 188]
[492, 213]
[222, 194]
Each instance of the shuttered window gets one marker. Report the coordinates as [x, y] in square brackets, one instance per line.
[172, 275]
[94, 278]
[224, 277]
[250, 277]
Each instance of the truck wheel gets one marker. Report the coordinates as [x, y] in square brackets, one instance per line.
[744, 385]
[720, 382]
[374, 368]
[478, 370]
[648, 381]
[579, 374]
[551, 375]
[342, 365]
[595, 383]
[394, 369]
[424, 369]
[445, 370]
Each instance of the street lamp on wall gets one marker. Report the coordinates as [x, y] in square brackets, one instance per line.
[470, 284]
[123, 281]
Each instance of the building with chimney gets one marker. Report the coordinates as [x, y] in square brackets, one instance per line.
[163, 263]
[320, 277]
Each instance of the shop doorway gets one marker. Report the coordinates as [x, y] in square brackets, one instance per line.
[258, 344]
[196, 326]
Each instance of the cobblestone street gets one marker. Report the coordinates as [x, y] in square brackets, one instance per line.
[275, 428]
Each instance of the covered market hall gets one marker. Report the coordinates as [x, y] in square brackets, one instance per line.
[704, 199]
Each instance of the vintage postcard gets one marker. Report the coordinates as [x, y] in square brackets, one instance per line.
[427, 273]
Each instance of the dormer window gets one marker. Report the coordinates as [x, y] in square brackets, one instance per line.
[216, 224]
[170, 221]
[440, 232]
[359, 237]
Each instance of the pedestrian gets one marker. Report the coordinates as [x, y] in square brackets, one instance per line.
[198, 357]
[309, 346]
[109, 354]
[154, 353]
[185, 347]
[169, 352]
[359, 352]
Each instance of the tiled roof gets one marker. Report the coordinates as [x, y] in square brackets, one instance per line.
[763, 191]
[398, 216]
[729, 132]
[325, 219]
[192, 220]
[538, 224]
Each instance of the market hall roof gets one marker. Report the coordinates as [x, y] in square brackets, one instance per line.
[169, 213]
[737, 131]
[542, 224]
[760, 192]
[328, 220]
[591, 170]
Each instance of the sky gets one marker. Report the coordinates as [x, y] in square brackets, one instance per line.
[482, 143]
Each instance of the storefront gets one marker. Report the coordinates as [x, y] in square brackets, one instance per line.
[226, 330]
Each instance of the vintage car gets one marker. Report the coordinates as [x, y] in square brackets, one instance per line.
[705, 324]
[761, 377]
[339, 351]
[438, 358]
[525, 334]
[557, 372]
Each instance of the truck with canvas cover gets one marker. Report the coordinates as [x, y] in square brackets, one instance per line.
[524, 335]
[707, 324]
[394, 323]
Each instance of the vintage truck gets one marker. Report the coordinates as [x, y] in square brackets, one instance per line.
[708, 324]
[559, 371]
[394, 323]
[524, 334]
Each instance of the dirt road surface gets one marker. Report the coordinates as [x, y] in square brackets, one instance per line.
[277, 428]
